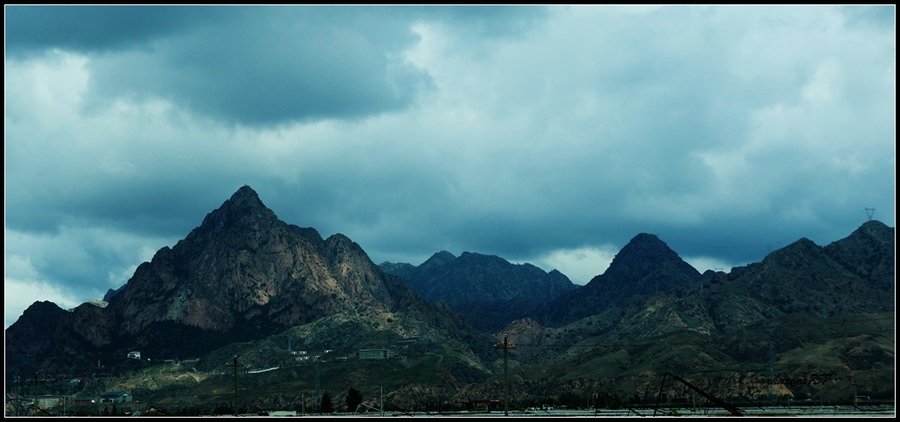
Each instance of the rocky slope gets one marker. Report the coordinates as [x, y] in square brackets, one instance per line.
[803, 310]
[245, 283]
[869, 254]
[241, 275]
[644, 267]
[243, 263]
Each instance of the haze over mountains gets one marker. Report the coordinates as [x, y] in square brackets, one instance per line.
[246, 283]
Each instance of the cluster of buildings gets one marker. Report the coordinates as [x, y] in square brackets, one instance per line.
[48, 401]
[107, 397]
[364, 354]
[377, 353]
[387, 353]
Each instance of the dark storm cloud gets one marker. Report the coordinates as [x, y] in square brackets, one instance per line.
[543, 135]
[271, 66]
[253, 65]
[84, 29]
[167, 209]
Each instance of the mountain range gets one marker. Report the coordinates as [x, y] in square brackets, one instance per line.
[490, 290]
[242, 275]
[245, 283]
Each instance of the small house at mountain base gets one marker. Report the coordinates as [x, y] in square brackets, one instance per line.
[115, 397]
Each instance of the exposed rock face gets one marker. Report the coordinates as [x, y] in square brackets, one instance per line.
[110, 293]
[241, 263]
[489, 289]
[662, 314]
[241, 275]
[800, 278]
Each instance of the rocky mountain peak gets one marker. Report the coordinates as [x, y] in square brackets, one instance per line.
[645, 266]
[443, 256]
[245, 266]
[802, 246]
[41, 309]
[241, 220]
[869, 253]
[646, 244]
[874, 229]
[439, 259]
[241, 276]
[644, 255]
[244, 207]
[341, 243]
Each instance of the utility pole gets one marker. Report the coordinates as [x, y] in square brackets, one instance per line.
[235, 365]
[18, 401]
[34, 402]
[505, 346]
[381, 390]
[318, 397]
[771, 366]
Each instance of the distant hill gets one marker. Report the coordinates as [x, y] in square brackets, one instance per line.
[648, 290]
[645, 266]
[490, 290]
[803, 310]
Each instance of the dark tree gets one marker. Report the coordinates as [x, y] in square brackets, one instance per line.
[354, 398]
[326, 403]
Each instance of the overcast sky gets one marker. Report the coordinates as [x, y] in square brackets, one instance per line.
[543, 135]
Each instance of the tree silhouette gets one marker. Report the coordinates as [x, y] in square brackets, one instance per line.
[354, 398]
[326, 403]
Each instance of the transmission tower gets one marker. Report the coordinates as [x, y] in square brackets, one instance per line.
[870, 212]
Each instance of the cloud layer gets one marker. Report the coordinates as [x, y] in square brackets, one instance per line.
[543, 135]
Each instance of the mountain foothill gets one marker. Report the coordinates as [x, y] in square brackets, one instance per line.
[313, 311]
